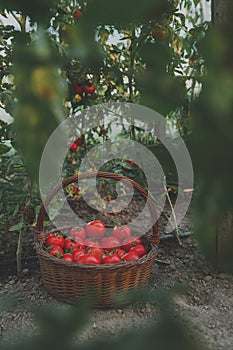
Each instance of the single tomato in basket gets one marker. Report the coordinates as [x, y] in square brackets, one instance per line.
[69, 244]
[130, 256]
[131, 242]
[57, 251]
[122, 232]
[80, 243]
[95, 228]
[77, 250]
[78, 232]
[140, 250]
[98, 251]
[55, 239]
[88, 259]
[119, 251]
[111, 259]
[109, 243]
[77, 253]
[90, 243]
[68, 257]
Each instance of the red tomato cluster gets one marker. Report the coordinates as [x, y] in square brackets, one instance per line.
[75, 145]
[89, 246]
[88, 87]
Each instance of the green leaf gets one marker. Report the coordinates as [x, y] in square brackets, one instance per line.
[17, 227]
[4, 149]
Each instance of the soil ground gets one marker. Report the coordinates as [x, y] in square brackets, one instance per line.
[207, 301]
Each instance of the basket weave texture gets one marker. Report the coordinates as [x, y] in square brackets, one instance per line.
[71, 282]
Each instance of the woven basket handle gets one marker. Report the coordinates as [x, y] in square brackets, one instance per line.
[39, 231]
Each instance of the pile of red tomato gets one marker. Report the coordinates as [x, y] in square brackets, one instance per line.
[89, 245]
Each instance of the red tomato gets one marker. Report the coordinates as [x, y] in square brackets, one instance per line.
[130, 162]
[69, 244]
[77, 250]
[119, 251]
[159, 34]
[89, 88]
[78, 88]
[77, 13]
[122, 232]
[88, 259]
[90, 243]
[78, 232]
[192, 62]
[95, 229]
[140, 250]
[68, 257]
[109, 243]
[130, 256]
[75, 190]
[77, 253]
[80, 243]
[55, 238]
[73, 147]
[111, 259]
[57, 251]
[79, 141]
[131, 242]
[99, 252]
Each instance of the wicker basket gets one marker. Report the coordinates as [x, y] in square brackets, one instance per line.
[71, 282]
